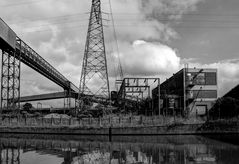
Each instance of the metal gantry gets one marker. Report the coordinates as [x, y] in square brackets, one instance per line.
[134, 90]
[14, 51]
[94, 76]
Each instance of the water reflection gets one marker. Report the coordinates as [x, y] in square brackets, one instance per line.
[37, 149]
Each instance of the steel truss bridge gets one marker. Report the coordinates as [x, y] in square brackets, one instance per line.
[14, 52]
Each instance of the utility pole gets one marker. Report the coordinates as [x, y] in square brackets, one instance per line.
[94, 76]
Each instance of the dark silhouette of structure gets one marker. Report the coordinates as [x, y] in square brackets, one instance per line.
[189, 92]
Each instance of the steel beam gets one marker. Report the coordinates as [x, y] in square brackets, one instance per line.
[49, 96]
[59, 95]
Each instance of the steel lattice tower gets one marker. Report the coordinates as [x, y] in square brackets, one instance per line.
[94, 75]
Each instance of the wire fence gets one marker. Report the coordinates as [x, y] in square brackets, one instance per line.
[106, 122]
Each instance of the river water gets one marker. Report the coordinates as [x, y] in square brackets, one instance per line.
[67, 149]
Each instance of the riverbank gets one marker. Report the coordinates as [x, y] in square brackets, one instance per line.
[137, 125]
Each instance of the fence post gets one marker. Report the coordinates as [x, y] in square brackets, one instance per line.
[17, 120]
[109, 121]
[51, 120]
[153, 120]
[130, 117]
[119, 120]
[100, 121]
[70, 121]
[80, 122]
[60, 120]
[42, 121]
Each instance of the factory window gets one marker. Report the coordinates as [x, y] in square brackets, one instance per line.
[211, 78]
[204, 94]
[201, 109]
[196, 78]
[205, 78]
[200, 79]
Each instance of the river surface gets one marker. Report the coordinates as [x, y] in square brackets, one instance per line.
[51, 149]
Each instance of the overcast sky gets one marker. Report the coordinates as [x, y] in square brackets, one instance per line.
[155, 37]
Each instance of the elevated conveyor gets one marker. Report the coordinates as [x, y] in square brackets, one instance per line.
[14, 51]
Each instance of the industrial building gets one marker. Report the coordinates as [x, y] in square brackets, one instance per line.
[189, 92]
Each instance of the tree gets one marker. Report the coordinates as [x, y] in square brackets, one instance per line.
[225, 107]
[27, 106]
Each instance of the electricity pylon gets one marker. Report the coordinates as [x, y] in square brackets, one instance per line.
[94, 76]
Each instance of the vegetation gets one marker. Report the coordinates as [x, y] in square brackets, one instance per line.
[226, 108]
[27, 107]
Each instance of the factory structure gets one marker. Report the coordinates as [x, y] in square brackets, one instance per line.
[189, 92]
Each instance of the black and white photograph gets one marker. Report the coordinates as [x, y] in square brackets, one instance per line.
[119, 81]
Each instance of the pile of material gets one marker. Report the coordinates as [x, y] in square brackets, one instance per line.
[56, 115]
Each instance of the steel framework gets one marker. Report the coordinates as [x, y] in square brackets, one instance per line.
[135, 90]
[14, 51]
[10, 80]
[94, 76]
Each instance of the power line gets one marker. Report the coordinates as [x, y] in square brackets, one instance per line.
[122, 19]
[22, 3]
[47, 30]
[133, 26]
[184, 14]
[48, 18]
[129, 13]
[65, 19]
[62, 22]
[181, 21]
[182, 26]
[117, 45]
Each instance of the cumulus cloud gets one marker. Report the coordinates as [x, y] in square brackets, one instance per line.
[142, 19]
[149, 59]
